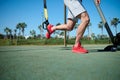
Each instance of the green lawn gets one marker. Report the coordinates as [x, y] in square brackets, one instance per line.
[58, 63]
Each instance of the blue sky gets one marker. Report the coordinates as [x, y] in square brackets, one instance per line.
[31, 11]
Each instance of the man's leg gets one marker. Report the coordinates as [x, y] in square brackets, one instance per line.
[77, 48]
[81, 28]
[69, 26]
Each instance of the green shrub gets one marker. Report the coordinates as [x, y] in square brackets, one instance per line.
[51, 41]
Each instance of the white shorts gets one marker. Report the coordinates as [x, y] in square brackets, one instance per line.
[75, 8]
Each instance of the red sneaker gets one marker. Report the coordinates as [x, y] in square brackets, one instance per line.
[50, 31]
[79, 49]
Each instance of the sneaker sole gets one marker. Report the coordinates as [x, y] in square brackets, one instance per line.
[79, 52]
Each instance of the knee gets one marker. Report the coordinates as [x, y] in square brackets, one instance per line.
[86, 20]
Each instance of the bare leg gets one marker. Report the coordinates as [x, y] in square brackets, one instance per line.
[81, 28]
[69, 26]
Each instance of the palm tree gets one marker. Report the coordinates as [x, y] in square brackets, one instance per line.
[10, 33]
[93, 36]
[41, 30]
[76, 26]
[88, 28]
[15, 31]
[100, 25]
[115, 22]
[7, 31]
[62, 33]
[18, 26]
[33, 33]
[21, 27]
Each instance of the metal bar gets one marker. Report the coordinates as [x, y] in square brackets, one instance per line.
[65, 38]
[104, 21]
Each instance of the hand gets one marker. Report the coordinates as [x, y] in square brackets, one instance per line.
[97, 1]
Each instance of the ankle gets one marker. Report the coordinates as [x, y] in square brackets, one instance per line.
[53, 28]
[77, 44]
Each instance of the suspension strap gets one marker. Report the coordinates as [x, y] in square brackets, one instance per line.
[46, 22]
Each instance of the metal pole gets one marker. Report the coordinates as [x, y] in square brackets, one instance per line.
[65, 44]
[104, 21]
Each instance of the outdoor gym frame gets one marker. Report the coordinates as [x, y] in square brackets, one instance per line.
[65, 38]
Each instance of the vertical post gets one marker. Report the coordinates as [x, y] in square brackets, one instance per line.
[65, 44]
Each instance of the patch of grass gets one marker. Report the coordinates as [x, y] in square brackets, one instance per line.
[52, 41]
